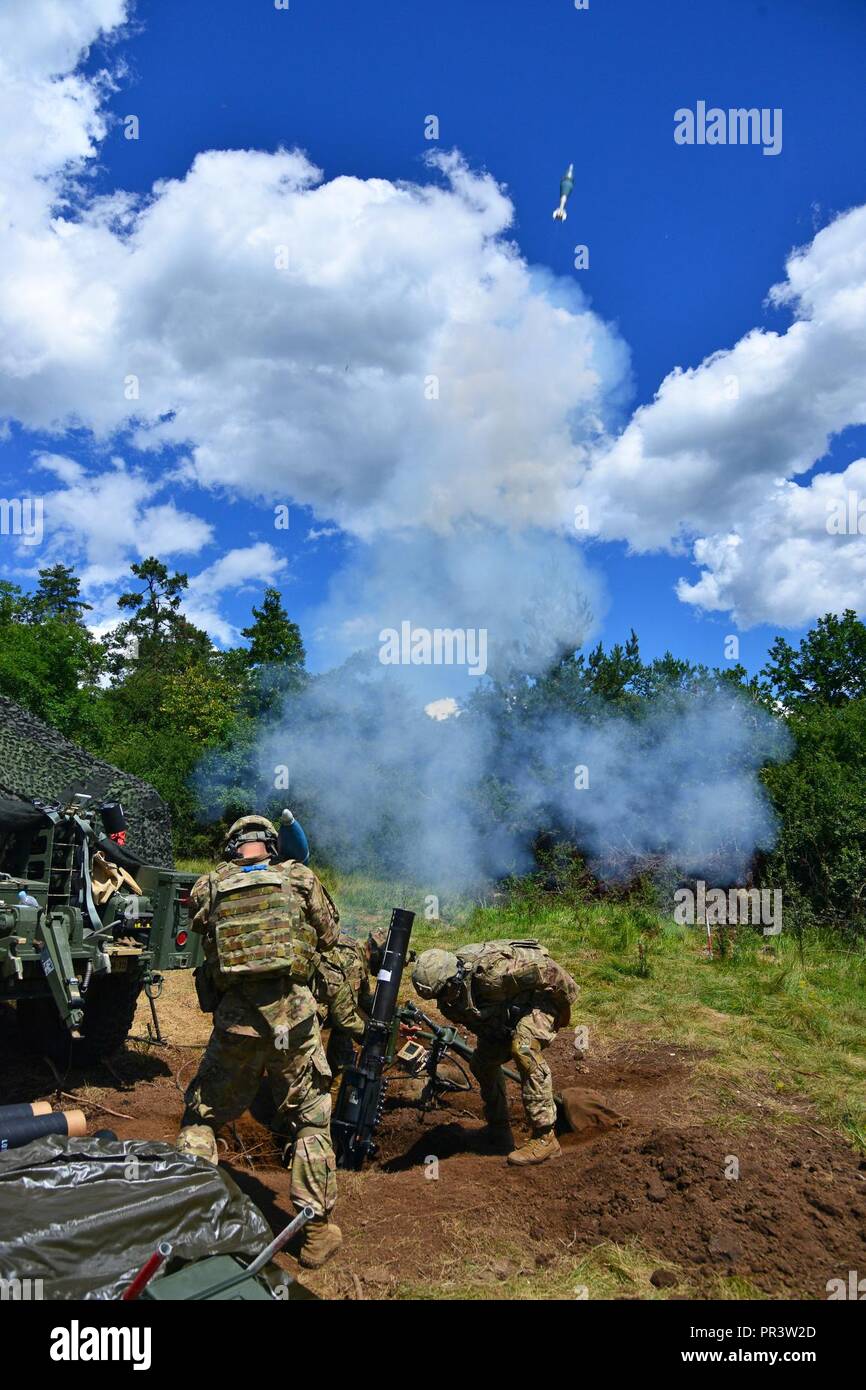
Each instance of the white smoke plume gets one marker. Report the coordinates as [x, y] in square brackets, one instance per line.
[451, 803]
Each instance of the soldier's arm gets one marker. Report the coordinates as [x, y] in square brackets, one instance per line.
[199, 902]
[321, 910]
[366, 993]
[343, 1011]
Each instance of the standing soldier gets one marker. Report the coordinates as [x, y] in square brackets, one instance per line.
[265, 925]
[515, 998]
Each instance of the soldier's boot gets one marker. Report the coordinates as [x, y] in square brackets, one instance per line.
[199, 1141]
[498, 1138]
[542, 1146]
[322, 1239]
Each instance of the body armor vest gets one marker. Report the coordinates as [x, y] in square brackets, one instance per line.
[259, 926]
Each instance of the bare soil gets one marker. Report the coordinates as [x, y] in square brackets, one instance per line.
[793, 1218]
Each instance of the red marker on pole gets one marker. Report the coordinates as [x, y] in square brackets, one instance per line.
[147, 1271]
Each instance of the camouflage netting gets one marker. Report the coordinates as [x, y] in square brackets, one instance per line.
[36, 760]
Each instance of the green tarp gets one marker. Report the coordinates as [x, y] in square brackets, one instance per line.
[83, 1215]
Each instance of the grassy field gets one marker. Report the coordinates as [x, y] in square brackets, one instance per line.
[609, 1270]
[782, 1020]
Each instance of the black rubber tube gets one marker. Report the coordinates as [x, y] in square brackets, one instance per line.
[23, 1110]
[21, 1129]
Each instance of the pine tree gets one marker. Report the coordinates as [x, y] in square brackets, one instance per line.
[276, 653]
[58, 595]
[273, 637]
[156, 606]
[157, 636]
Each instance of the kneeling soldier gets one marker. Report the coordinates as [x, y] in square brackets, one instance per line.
[344, 993]
[514, 997]
[265, 925]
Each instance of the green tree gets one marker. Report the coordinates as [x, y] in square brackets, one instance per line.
[275, 654]
[175, 698]
[819, 794]
[13, 605]
[58, 595]
[157, 636]
[611, 674]
[156, 606]
[164, 720]
[52, 667]
[272, 636]
[828, 668]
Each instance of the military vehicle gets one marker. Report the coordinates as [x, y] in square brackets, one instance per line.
[84, 924]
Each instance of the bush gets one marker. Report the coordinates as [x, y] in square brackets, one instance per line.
[820, 796]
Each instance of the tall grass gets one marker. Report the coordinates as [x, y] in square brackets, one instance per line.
[780, 1019]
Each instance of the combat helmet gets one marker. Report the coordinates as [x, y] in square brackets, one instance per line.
[433, 971]
[250, 830]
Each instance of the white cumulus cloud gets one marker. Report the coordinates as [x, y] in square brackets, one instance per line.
[713, 460]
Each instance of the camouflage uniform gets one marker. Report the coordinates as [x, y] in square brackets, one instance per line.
[343, 994]
[514, 998]
[265, 1020]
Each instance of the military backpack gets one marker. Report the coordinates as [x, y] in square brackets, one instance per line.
[497, 971]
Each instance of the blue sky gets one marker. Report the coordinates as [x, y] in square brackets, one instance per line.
[685, 242]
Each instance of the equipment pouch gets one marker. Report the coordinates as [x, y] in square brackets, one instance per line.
[205, 990]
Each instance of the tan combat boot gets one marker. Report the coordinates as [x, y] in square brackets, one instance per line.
[198, 1141]
[322, 1239]
[542, 1146]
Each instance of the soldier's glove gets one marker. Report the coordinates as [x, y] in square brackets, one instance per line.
[513, 1013]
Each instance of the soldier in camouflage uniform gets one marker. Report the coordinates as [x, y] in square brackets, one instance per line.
[344, 994]
[265, 926]
[514, 997]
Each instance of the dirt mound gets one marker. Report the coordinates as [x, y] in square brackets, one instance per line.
[587, 1114]
[784, 1219]
[784, 1209]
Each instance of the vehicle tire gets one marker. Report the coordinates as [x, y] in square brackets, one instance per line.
[109, 1008]
[42, 1031]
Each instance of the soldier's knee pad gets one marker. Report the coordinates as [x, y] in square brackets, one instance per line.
[526, 1055]
[198, 1141]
